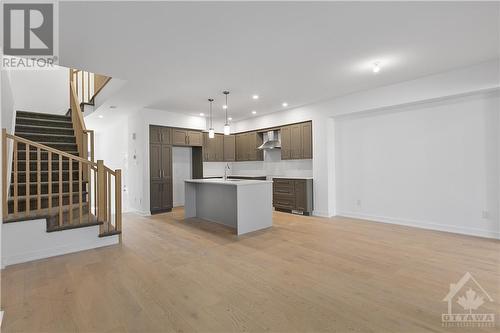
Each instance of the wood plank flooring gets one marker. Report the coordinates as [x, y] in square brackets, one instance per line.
[305, 274]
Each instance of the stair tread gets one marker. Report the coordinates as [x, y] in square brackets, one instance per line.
[43, 196]
[53, 182]
[20, 133]
[55, 120]
[41, 213]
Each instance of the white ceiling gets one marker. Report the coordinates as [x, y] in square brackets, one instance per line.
[176, 55]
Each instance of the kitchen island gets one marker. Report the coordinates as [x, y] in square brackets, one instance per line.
[245, 205]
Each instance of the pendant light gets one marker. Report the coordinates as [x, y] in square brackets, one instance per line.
[211, 131]
[227, 129]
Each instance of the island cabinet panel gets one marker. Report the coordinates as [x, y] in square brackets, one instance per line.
[296, 141]
[229, 148]
[293, 195]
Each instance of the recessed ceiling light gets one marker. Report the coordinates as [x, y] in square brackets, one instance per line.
[254, 112]
[230, 118]
[100, 116]
[255, 97]
[284, 104]
[112, 106]
[224, 106]
[376, 67]
[201, 114]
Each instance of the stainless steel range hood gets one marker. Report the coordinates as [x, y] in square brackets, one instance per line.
[271, 140]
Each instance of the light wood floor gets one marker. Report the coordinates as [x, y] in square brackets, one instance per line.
[305, 274]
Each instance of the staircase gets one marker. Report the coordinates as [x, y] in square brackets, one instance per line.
[49, 174]
[55, 131]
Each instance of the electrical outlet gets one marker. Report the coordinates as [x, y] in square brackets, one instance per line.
[485, 214]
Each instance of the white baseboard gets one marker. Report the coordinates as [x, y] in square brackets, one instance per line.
[422, 224]
[321, 214]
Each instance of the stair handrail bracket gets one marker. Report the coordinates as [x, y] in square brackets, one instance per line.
[57, 173]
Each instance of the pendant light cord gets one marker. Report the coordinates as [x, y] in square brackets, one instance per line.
[227, 107]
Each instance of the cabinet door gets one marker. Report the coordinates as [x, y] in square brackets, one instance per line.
[285, 143]
[194, 138]
[296, 141]
[166, 135]
[179, 137]
[155, 162]
[155, 196]
[307, 140]
[154, 134]
[240, 147]
[300, 195]
[207, 146]
[229, 148]
[219, 147]
[166, 196]
[166, 162]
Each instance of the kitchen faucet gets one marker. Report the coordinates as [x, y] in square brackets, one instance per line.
[226, 169]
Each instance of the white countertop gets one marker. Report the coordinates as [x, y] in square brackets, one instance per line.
[233, 182]
[237, 175]
[292, 177]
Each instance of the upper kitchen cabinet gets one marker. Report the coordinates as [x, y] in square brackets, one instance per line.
[182, 137]
[160, 134]
[246, 147]
[213, 149]
[229, 147]
[296, 141]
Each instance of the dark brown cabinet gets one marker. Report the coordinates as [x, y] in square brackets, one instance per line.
[293, 195]
[296, 141]
[246, 147]
[160, 165]
[183, 137]
[213, 149]
[160, 134]
[229, 148]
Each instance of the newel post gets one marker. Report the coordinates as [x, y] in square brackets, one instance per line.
[101, 191]
[4, 173]
[118, 199]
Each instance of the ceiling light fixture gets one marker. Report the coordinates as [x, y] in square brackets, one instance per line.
[284, 104]
[254, 112]
[230, 118]
[211, 132]
[227, 129]
[376, 67]
[100, 116]
[255, 97]
[202, 114]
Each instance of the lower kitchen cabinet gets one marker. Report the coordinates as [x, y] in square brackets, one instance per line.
[293, 194]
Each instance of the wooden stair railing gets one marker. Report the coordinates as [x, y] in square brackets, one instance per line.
[87, 85]
[94, 197]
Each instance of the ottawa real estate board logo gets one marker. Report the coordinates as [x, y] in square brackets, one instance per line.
[29, 35]
[465, 299]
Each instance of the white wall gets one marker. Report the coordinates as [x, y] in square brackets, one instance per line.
[480, 77]
[432, 165]
[45, 91]
[111, 145]
[181, 169]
